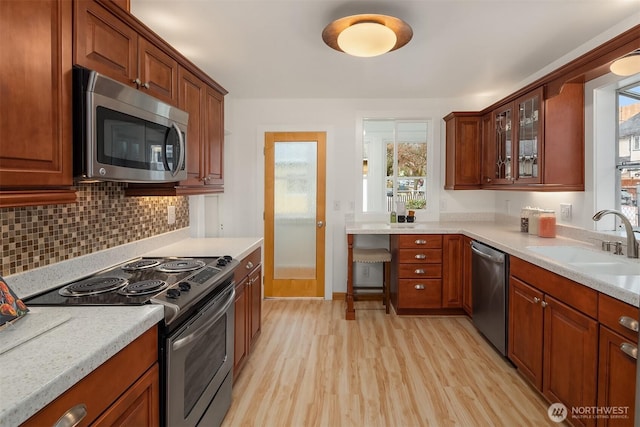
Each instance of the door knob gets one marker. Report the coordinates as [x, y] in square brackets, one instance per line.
[320, 224]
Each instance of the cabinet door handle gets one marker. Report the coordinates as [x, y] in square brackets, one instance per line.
[544, 304]
[73, 416]
[629, 349]
[419, 287]
[145, 85]
[418, 271]
[420, 256]
[136, 81]
[420, 242]
[628, 323]
[249, 265]
[536, 300]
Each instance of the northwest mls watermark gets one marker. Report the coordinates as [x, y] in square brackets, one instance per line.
[558, 412]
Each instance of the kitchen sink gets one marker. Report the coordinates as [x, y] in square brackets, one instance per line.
[589, 261]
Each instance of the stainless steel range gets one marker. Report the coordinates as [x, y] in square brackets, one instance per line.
[196, 337]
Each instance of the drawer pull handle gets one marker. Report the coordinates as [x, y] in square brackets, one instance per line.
[629, 349]
[419, 271]
[73, 416]
[628, 323]
[420, 242]
[420, 256]
[249, 265]
[419, 287]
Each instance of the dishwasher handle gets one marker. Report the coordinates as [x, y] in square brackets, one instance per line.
[494, 259]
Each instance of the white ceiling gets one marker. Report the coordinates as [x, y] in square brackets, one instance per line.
[274, 49]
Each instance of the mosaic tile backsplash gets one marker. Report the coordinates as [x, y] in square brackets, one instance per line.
[101, 218]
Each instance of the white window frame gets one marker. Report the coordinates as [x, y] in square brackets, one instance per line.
[432, 187]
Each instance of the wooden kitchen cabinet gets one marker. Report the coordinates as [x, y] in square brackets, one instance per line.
[426, 275]
[528, 142]
[463, 151]
[553, 337]
[467, 276]
[248, 308]
[35, 112]
[616, 363]
[452, 266]
[130, 398]
[110, 46]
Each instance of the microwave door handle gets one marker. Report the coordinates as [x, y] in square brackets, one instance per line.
[180, 162]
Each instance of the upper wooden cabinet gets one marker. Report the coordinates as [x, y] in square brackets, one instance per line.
[112, 42]
[464, 147]
[529, 143]
[106, 44]
[35, 112]
[516, 140]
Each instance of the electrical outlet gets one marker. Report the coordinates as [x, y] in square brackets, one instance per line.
[171, 215]
[565, 211]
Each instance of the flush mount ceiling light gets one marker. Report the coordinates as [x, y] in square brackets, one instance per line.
[627, 65]
[367, 35]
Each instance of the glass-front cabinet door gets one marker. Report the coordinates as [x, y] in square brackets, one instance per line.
[504, 171]
[529, 134]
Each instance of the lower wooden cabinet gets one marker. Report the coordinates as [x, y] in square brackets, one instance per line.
[248, 308]
[554, 345]
[123, 391]
[467, 277]
[426, 273]
[616, 378]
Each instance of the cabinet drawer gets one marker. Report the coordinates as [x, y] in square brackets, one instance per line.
[417, 271]
[419, 241]
[420, 256]
[247, 265]
[425, 293]
[610, 310]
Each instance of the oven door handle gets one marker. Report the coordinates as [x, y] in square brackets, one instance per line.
[203, 329]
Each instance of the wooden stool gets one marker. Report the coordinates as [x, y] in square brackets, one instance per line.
[373, 255]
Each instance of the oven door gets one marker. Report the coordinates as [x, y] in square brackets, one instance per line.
[199, 364]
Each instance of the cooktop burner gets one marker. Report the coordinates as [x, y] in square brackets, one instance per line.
[144, 287]
[92, 286]
[141, 264]
[181, 265]
[180, 284]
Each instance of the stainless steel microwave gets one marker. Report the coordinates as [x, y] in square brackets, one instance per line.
[123, 134]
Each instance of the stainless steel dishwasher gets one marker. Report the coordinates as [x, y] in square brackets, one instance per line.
[490, 269]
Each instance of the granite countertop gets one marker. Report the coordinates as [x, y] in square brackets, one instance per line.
[509, 239]
[52, 348]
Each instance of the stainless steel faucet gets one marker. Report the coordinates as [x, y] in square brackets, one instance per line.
[632, 243]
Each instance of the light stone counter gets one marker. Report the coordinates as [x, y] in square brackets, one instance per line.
[64, 344]
[37, 371]
[509, 239]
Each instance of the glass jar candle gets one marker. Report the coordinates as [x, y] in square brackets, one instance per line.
[547, 224]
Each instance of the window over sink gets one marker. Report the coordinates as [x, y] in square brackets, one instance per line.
[628, 153]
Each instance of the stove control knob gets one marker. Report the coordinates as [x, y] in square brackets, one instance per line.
[184, 286]
[222, 261]
[173, 293]
[228, 258]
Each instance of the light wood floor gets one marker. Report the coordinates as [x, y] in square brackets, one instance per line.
[310, 367]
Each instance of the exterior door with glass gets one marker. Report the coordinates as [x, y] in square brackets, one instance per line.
[294, 214]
